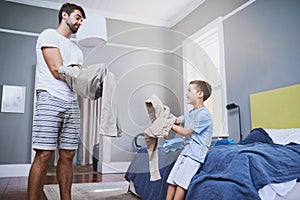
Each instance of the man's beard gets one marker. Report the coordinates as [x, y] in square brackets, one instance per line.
[72, 27]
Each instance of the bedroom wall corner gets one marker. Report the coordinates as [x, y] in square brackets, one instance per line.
[261, 52]
[142, 66]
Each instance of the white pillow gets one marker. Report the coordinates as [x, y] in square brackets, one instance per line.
[284, 136]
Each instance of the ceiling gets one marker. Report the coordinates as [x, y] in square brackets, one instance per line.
[165, 13]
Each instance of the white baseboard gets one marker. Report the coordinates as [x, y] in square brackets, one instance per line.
[17, 170]
[22, 170]
[113, 167]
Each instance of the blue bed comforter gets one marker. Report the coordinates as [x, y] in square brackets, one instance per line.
[238, 171]
[138, 172]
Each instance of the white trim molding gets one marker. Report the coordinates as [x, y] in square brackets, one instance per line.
[19, 32]
[126, 46]
[105, 164]
[192, 68]
[16, 170]
[113, 167]
[185, 12]
[238, 9]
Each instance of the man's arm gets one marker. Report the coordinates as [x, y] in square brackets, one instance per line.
[53, 59]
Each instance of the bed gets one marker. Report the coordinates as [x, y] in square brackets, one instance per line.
[139, 177]
[266, 165]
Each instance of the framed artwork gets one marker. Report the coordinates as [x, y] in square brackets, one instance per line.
[13, 99]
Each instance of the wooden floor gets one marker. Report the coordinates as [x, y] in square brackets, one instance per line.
[15, 188]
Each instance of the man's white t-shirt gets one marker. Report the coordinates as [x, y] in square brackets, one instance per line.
[71, 54]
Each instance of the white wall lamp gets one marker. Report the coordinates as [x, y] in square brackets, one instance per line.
[93, 31]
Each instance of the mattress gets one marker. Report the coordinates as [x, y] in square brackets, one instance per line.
[289, 190]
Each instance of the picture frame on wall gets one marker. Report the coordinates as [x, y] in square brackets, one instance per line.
[13, 99]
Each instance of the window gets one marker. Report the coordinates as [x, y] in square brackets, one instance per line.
[204, 59]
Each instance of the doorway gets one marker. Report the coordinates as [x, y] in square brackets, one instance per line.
[204, 59]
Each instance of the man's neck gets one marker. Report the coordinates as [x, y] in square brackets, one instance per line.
[64, 31]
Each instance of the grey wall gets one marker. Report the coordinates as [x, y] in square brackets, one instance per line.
[17, 71]
[17, 55]
[262, 45]
[206, 13]
[140, 73]
[261, 49]
[140, 58]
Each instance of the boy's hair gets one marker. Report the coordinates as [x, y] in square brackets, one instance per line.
[69, 8]
[204, 87]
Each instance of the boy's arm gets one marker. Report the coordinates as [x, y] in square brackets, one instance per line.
[181, 130]
[178, 120]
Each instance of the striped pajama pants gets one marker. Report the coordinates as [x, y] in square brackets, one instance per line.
[56, 123]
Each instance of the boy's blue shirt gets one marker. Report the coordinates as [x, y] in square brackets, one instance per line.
[197, 144]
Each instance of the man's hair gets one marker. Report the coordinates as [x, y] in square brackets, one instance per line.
[204, 87]
[69, 8]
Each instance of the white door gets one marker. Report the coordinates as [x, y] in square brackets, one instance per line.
[204, 59]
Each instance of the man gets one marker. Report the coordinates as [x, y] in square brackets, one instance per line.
[56, 122]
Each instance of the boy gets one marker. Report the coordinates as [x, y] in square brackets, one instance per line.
[198, 133]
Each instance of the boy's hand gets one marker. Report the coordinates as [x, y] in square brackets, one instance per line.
[178, 121]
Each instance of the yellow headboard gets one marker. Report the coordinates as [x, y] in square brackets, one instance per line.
[276, 109]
